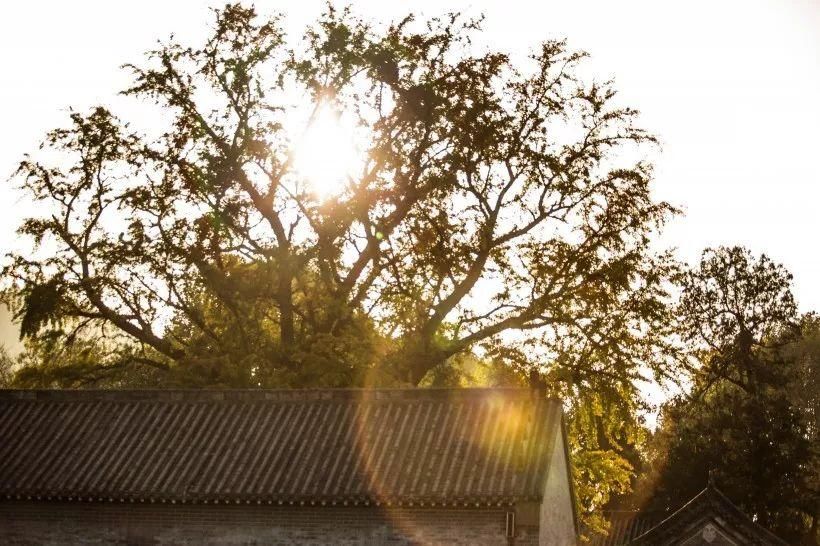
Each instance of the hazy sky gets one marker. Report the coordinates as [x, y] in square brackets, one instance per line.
[732, 88]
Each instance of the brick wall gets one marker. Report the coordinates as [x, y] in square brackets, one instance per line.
[154, 524]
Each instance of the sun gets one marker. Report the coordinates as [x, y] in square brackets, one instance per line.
[326, 155]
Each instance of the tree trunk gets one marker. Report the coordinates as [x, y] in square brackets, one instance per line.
[287, 330]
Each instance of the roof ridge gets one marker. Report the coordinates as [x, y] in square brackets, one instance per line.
[251, 394]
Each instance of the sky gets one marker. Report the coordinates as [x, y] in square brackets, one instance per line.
[731, 88]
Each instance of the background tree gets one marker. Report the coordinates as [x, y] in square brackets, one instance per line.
[7, 370]
[804, 391]
[740, 419]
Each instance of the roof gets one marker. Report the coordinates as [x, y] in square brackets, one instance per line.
[624, 526]
[710, 506]
[403, 446]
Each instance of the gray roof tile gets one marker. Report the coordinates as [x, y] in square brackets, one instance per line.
[293, 446]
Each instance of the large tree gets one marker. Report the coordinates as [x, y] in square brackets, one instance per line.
[804, 391]
[742, 420]
[495, 207]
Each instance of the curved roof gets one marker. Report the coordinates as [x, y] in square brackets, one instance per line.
[404, 446]
[709, 507]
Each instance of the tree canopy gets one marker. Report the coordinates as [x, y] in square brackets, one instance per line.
[749, 417]
[495, 207]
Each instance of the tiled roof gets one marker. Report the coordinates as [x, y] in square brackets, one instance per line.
[709, 506]
[625, 526]
[403, 446]
[652, 528]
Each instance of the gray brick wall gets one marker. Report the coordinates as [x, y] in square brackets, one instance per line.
[28, 523]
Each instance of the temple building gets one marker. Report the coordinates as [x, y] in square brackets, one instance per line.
[402, 466]
[709, 519]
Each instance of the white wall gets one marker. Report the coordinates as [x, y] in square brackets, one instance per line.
[557, 527]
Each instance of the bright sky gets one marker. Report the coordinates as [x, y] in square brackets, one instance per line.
[731, 87]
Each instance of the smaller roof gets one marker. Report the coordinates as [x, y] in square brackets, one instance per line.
[712, 508]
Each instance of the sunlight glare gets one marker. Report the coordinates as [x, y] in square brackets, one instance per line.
[326, 155]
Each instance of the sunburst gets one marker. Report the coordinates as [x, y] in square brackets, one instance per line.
[326, 155]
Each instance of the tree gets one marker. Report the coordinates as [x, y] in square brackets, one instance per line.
[494, 208]
[606, 437]
[804, 391]
[738, 310]
[740, 420]
[6, 368]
